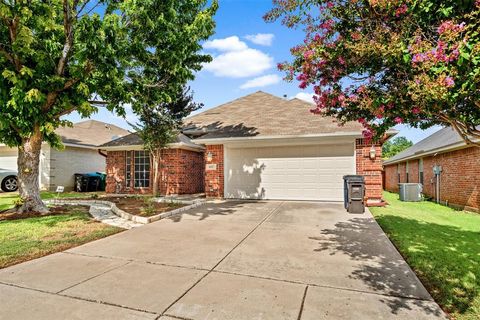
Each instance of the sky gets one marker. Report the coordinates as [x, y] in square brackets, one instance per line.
[245, 51]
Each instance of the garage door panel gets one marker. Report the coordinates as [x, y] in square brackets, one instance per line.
[297, 173]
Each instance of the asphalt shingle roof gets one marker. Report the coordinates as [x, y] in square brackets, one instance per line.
[263, 114]
[90, 133]
[442, 138]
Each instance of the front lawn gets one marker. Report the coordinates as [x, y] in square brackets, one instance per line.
[442, 245]
[30, 238]
[7, 199]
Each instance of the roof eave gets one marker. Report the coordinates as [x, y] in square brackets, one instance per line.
[177, 145]
[353, 134]
[448, 148]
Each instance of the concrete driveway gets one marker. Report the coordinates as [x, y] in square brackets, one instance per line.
[230, 260]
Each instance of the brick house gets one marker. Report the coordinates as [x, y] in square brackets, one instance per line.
[129, 167]
[459, 184]
[256, 147]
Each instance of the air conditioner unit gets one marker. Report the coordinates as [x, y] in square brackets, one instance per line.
[410, 191]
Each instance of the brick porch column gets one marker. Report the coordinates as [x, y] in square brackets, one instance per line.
[214, 171]
[370, 169]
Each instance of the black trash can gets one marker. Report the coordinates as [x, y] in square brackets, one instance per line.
[354, 193]
[86, 182]
[81, 182]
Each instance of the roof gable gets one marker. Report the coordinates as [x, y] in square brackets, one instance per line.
[263, 114]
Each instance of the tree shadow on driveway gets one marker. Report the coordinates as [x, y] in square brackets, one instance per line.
[376, 263]
[225, 208]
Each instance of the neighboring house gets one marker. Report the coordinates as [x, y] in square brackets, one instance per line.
[57, 167]
[256, 147]
[460, 176]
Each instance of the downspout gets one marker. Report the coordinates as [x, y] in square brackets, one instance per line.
[100, 152]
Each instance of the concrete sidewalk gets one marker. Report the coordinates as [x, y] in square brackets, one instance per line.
[229, 260]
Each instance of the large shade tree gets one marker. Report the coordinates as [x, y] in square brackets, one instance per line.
[386, 62]
[57, 56]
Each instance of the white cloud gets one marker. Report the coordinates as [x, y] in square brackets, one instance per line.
[240, 64]
[262, 81]
[305, 96]
[227, 44]
[263, 39]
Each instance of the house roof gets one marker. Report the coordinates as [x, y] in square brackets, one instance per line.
[446, 138]
[90, 133]
[133, 140]
[263, 115]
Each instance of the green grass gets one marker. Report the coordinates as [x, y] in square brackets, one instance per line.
[29, 238]
[442, 245]
[7, 199]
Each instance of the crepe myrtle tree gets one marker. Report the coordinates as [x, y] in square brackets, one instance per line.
[56, 55]
[387, 62]
[160, 125]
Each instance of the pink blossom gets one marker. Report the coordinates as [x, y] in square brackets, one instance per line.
[341, 61]
[450, 26]
[401, 10]
[416, 110]
[449, 82]
[398, 120]
[308, 54]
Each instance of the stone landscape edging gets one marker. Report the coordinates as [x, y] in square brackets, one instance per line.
[128, 216]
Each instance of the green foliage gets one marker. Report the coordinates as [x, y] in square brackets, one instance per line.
[441, 245]
[387, 62]
[159, 125]
[61, 56]
[56, 56]
[394, 146]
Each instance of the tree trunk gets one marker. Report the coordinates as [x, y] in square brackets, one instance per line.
[28, 173]
[156, 171]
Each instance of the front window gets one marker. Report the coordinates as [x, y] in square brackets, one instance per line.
[137, 167]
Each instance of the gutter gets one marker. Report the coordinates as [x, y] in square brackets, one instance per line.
[354, 134]
[177, 145]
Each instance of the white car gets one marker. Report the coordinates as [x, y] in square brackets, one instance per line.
[9, 180]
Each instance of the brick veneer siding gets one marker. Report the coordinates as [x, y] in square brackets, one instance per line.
[459, 180]
[370, 169]
[181, 172]
[214, 179]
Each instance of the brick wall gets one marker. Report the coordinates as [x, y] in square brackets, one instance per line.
[181, 172]
[459, 185]
[214, 177]
[391, 178]
[370, 169]
[115, 172]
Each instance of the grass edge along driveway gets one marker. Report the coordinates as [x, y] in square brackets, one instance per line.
[442, 245]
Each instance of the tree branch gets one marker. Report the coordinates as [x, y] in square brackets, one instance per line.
[68, 31]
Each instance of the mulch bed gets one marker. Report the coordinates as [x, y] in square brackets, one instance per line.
[11, 214]
[142, 206]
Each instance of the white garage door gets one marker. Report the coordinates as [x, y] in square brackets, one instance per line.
[311, 172]
[8, 158]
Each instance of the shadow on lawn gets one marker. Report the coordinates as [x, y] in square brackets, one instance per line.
[439, 254]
